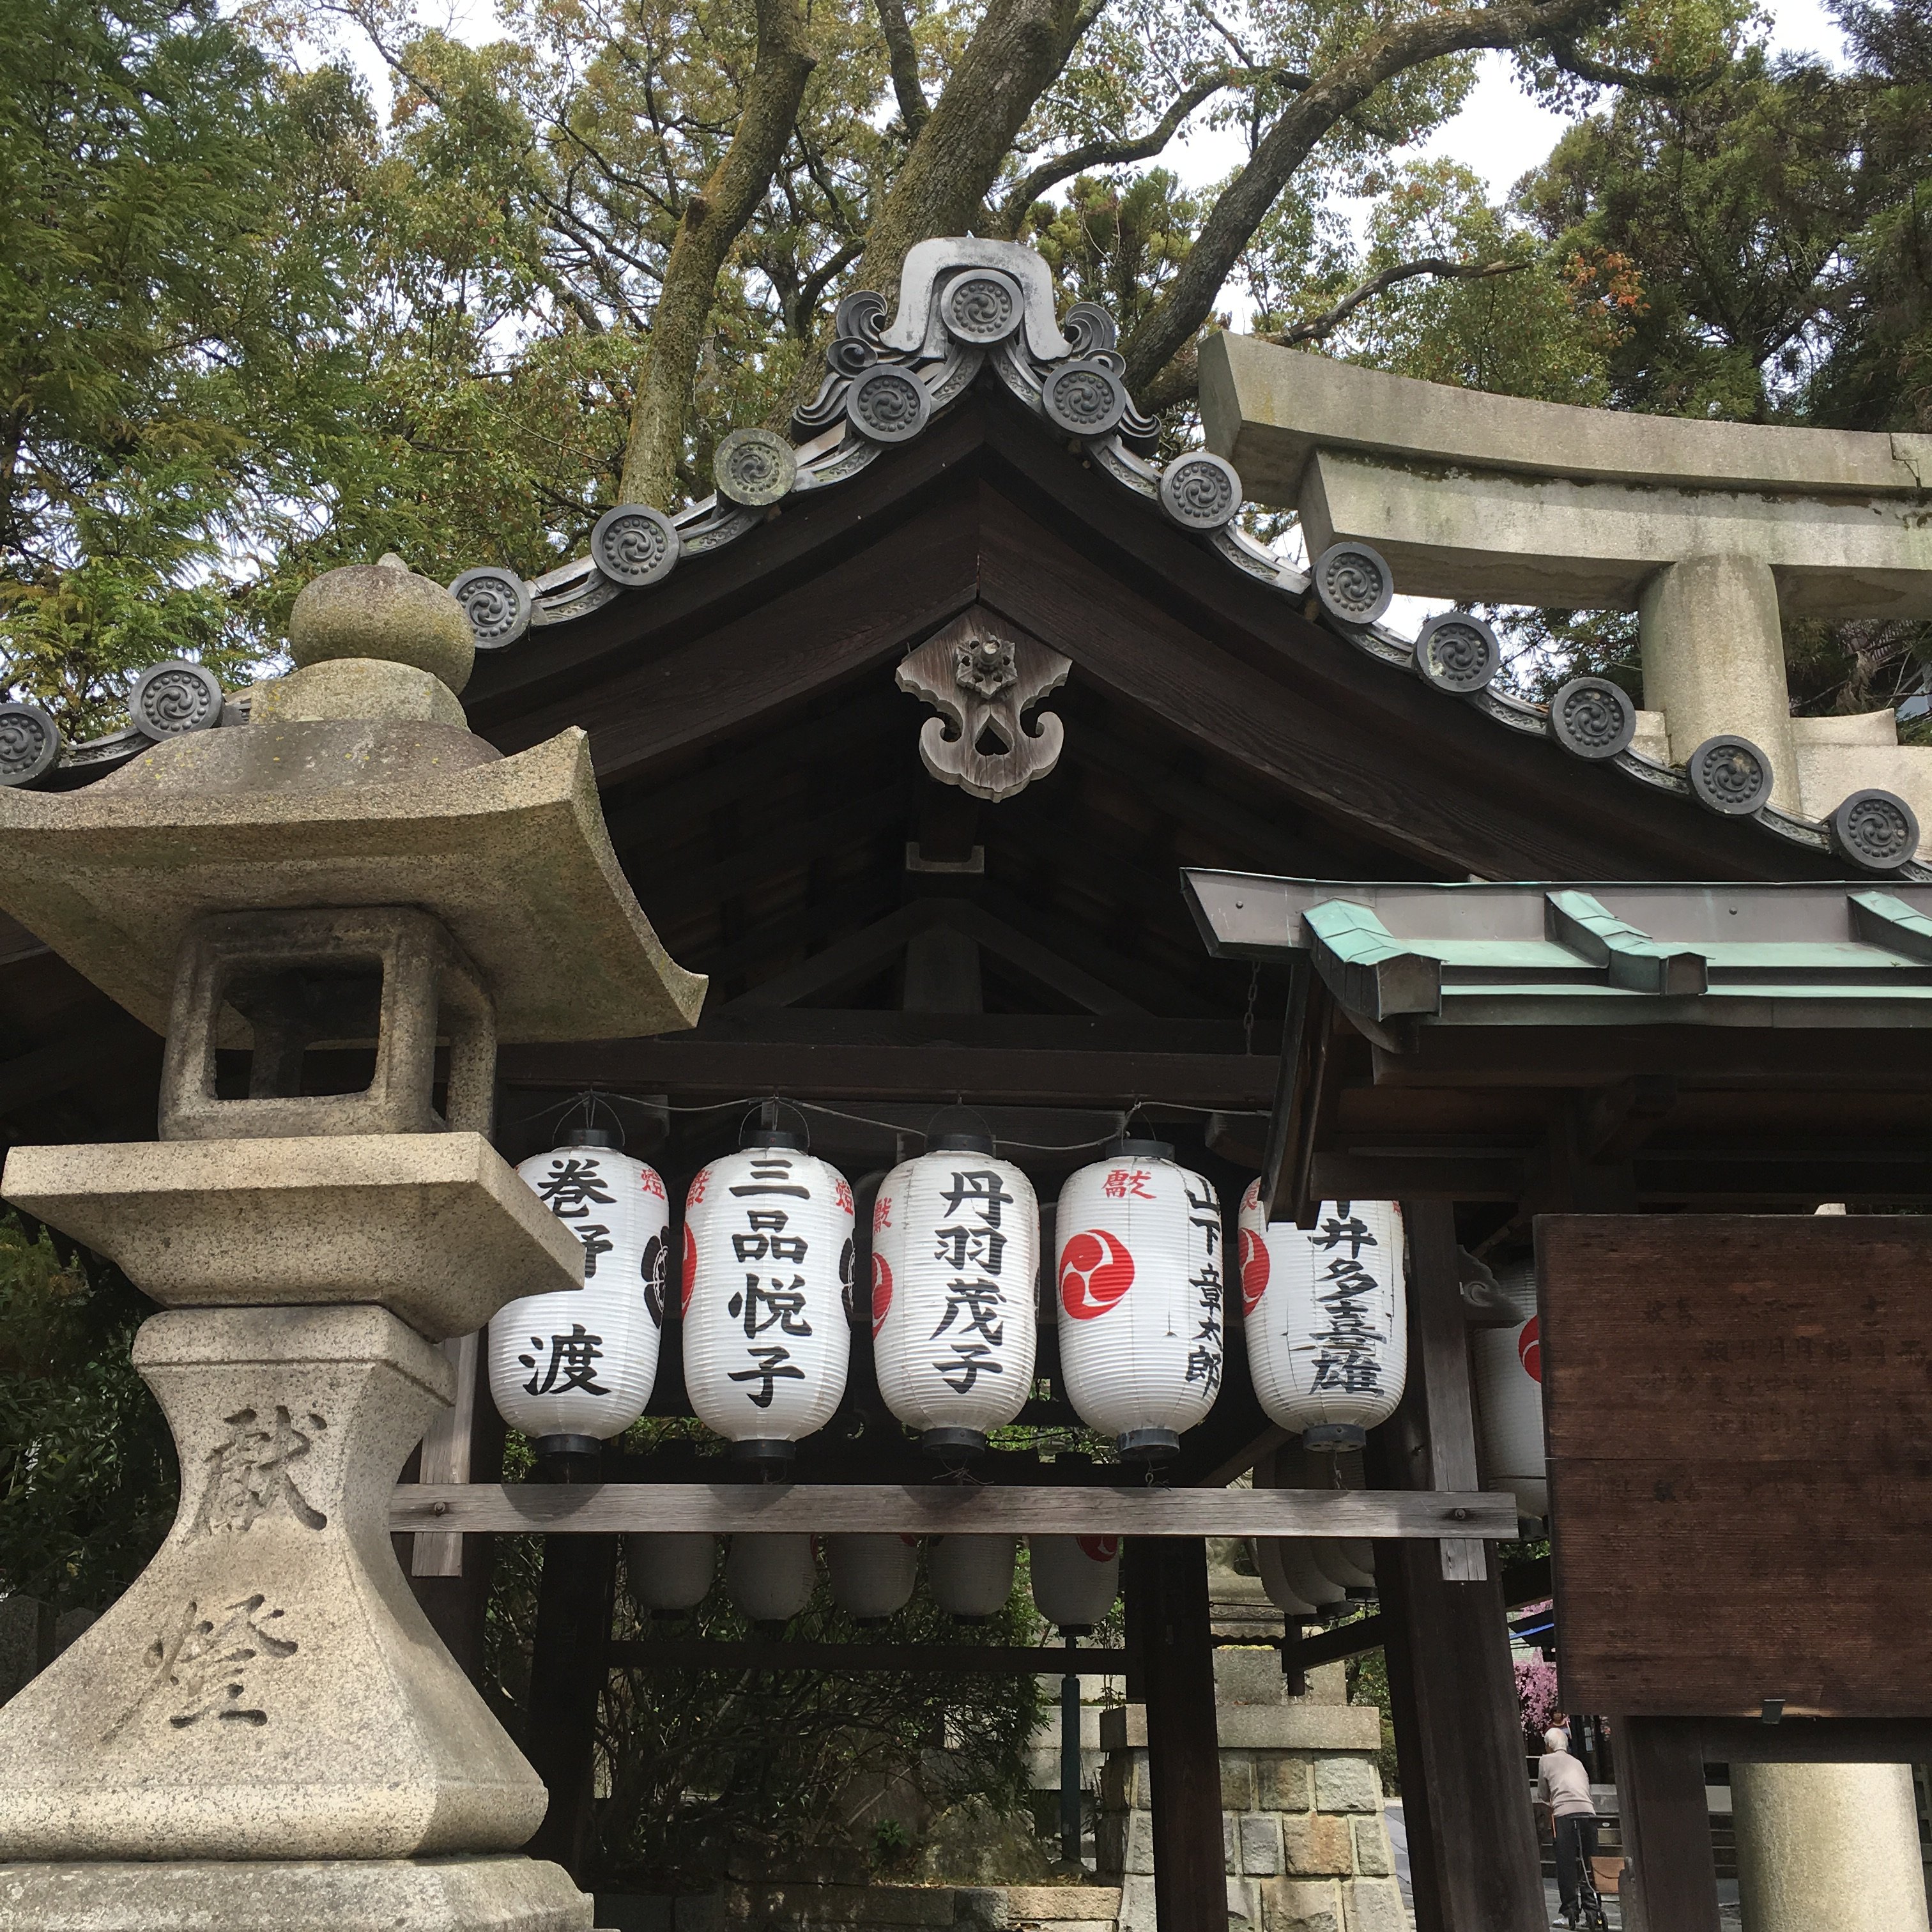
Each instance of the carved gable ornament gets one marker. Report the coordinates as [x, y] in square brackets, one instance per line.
[983, 675]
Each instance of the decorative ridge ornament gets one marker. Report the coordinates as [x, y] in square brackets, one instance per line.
[983, 676]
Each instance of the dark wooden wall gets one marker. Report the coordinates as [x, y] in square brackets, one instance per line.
[1739, 1412]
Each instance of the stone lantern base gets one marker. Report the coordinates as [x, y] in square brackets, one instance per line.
[460, 1893]
[457, 1894]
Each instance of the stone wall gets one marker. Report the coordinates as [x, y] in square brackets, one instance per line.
[1306, 1843]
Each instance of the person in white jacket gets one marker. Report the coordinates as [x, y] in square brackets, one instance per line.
[1563, 1790]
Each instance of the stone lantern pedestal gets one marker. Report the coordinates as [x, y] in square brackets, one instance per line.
[264, 1731]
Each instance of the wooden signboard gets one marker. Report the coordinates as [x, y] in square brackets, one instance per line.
[1739, 1410]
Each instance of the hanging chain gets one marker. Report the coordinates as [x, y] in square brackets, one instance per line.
[1248, 1017]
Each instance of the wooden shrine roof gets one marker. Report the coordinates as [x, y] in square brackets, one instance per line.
[1674, 1045]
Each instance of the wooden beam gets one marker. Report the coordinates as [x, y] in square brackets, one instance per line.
[1805, 1740]
[1615, 1122]
[947, 1509]
[1666, 1827]
[1438, 1353]
[687, 1653]
[1169, 1625]
[877, 816]
[865, 951]
[681, 1064]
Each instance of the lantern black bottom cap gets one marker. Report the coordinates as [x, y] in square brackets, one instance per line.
[1148, 1445]
[953, 1445]
[773, 1458]
[565, 1452]
[1334, 1435]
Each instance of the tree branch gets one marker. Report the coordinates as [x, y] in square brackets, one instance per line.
[712, 222]
[1319, 328]
[1572, 60]
[903, 57]
[1135, 148]
[1330, 98]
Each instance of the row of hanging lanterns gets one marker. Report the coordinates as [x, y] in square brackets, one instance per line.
[767, 1298]
[770, 1576]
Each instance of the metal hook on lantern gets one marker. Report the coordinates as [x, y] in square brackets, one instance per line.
[760, 1126]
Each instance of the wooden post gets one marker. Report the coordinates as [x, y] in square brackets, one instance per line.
[450, 1574]
[1473, 1857]
[568, 1663]
[1167, 1625]
[1670, 1881]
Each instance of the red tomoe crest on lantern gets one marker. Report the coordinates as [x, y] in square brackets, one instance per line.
[1096, 1269]
[1529, 1349]
[882, 1293]
[1101, 1549]
[1254, 1270]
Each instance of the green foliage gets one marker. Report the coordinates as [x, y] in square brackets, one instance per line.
[87, 1482]
[713, 1772]
[171, 282]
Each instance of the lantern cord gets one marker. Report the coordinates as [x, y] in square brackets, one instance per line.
[592, 1097]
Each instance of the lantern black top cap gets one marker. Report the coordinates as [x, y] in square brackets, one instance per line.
[761, 1128]
[959, 1130]
[588, 1137]
[1147, 1149]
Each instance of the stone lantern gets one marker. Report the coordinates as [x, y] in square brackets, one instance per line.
[264, 1731]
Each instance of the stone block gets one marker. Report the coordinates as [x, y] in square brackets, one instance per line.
[1283, 1781]
[1238, 1782]
[1244, 1906]
[1227, 1863]
[1299, 1905]
[1243, 1676]
[504, 1894]
[1030, 1905]
[268, 1688]
[1137, 1908]
[1373, 1905]
[1372, 1857]
[1348, 1783]
[1297, 1725]
[1316, 1843]
[1259, 1839]
[355, 687]
[436, 1227]
[1138, 1859]
[1123, 1781]
[1110, 1844]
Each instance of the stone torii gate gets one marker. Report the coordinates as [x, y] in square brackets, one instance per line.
[1712, 531]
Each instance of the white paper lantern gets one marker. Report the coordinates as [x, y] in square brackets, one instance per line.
[1509, 1395]
[1292, 1558]
[1075, 1579]
[1140, 1316]
[670, 1573]
[1268, 1564]
[574, 1368]
[956, 1258]
[1324, 1310]
[972, 1576]
[767, 1276]
[872, 1576]
[771, 1578]
[1341, 1559]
